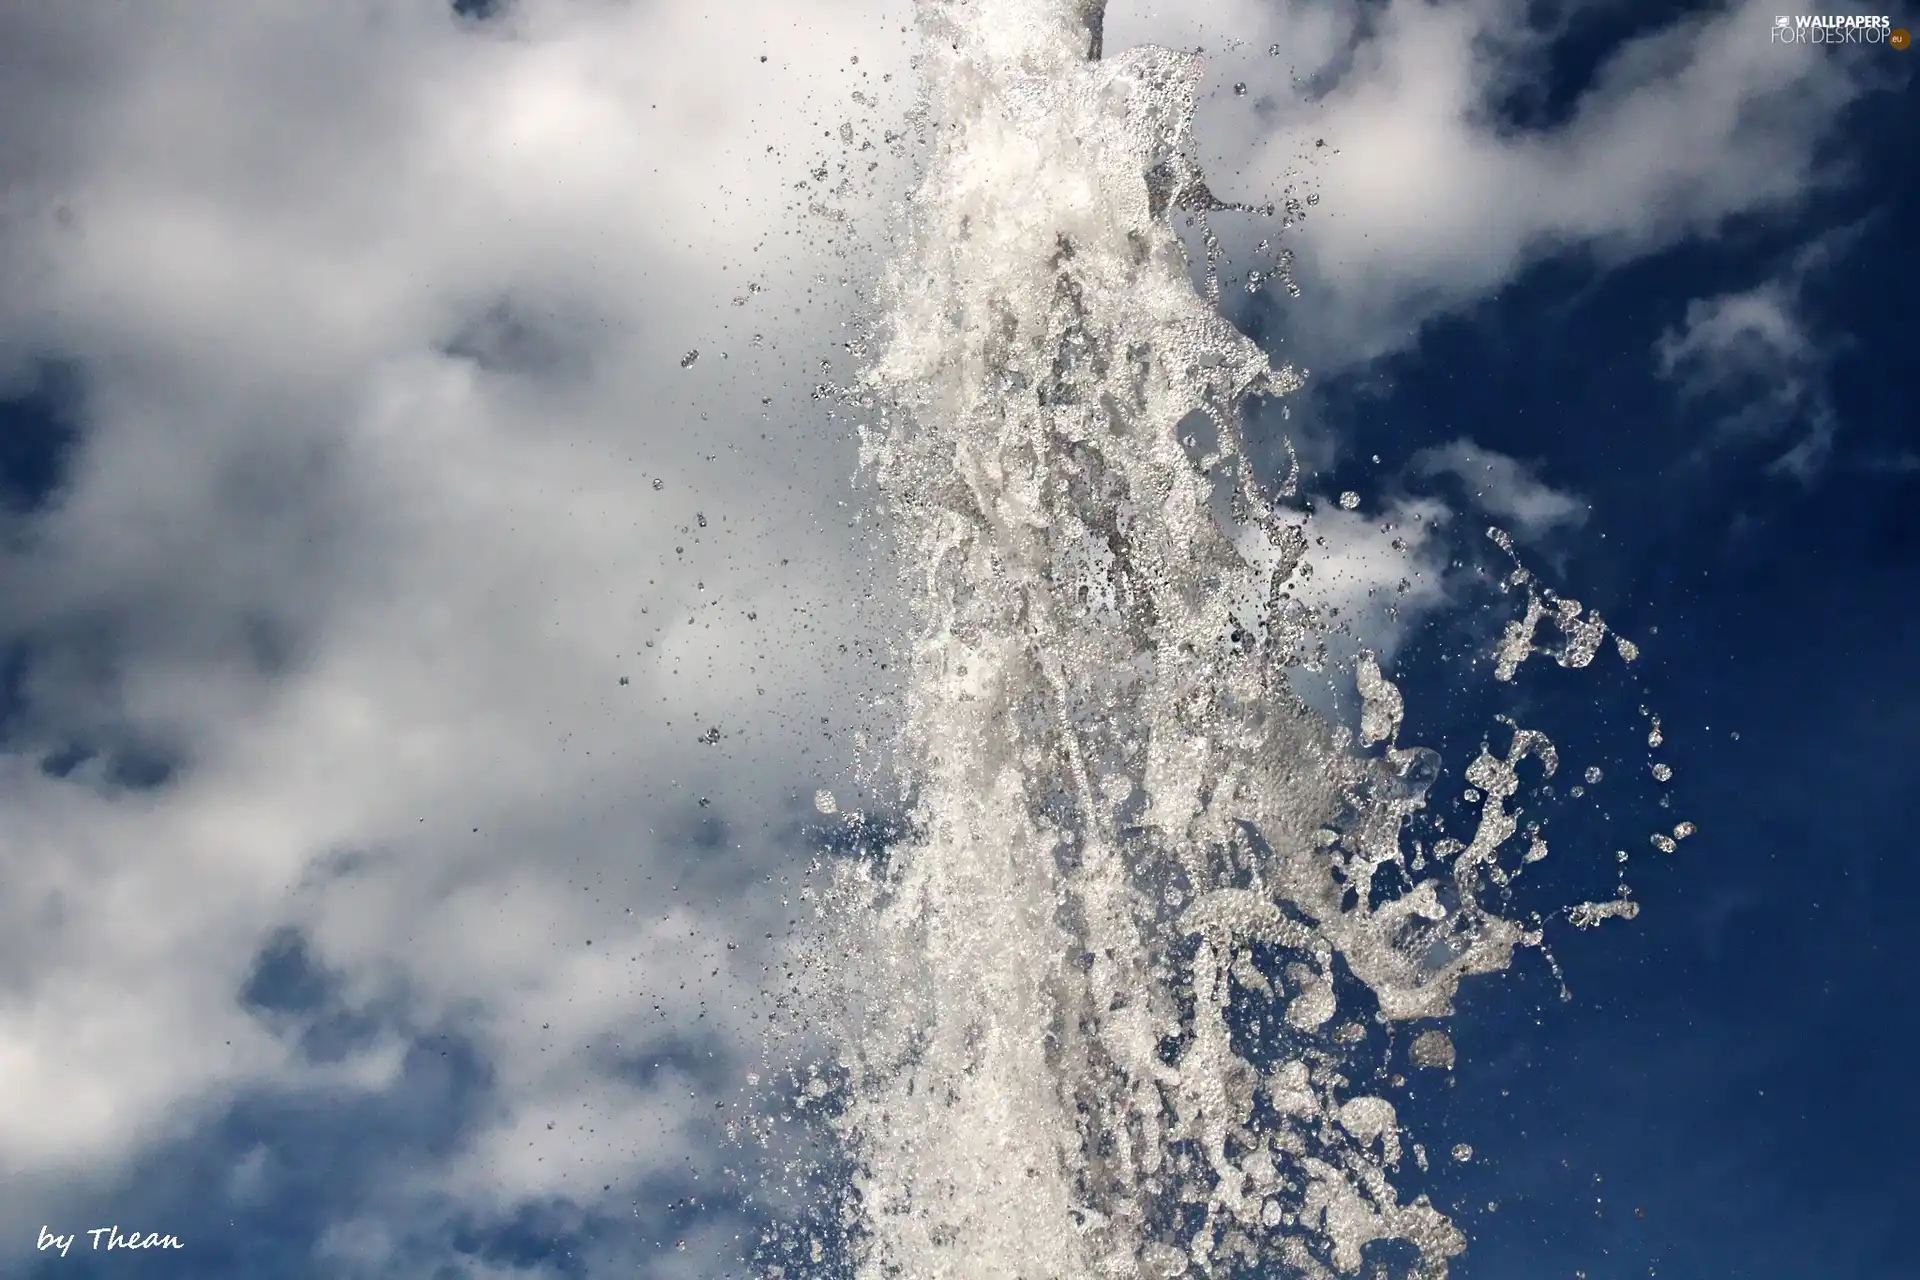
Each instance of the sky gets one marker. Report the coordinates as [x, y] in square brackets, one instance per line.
[432, 593]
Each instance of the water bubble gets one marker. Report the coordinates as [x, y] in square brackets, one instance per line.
[700, 519]
[686, 361]
[1662, 772]
[1682, 830]
[825, 803]
[1349, 500]
[1463, 1153]
[1240, 90]
[1594, 775]
[1663, 843]
[659, 484]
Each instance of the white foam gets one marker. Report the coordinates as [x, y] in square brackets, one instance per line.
[1125, 824]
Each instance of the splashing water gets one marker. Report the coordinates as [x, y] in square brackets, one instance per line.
[1130, 840]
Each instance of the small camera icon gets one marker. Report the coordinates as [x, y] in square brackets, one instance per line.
[1783, 21]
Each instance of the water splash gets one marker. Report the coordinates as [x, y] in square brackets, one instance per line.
[1103, 1035]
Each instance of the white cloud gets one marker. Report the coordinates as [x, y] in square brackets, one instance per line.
[1755, 350]
[1431, 202]
[379, 318]
[1504, 488]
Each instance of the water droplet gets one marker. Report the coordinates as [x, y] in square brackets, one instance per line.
[1661, 772]
[825, 803]
[1463, 1153]
[1349, 500]
[1594, 775]
[1682, 830]
[659, 484]
[700, 519]
[1663, 843]
[686, 361]
[1433, 1049]
[1240, 90]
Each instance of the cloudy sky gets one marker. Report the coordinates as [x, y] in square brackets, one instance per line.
[431, 593]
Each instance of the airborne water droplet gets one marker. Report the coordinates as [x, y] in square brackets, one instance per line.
[686, 361]
[1432, 1049]
[1349, 500]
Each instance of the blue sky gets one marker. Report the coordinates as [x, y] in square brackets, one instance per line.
[372, 900]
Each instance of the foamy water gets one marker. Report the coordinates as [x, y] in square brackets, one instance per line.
[1105, 989]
